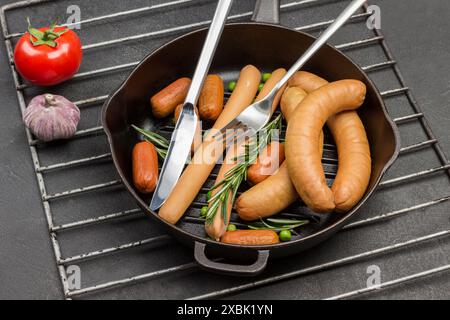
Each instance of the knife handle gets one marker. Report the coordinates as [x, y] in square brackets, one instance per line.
[209, 48]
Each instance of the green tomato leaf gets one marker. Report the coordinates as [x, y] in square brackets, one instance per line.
[50, 43]
[60, 33]
[36, 33]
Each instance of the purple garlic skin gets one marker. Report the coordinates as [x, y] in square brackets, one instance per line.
[51, 117]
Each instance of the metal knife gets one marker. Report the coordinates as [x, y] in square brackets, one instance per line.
[180, 144]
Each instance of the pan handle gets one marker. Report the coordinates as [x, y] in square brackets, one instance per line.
[230, 269]
[267, 11]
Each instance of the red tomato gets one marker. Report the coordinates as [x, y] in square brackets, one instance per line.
[44, 65]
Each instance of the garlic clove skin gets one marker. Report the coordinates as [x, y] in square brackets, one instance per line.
[52, 117]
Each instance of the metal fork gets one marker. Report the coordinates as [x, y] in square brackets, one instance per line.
[257, 115]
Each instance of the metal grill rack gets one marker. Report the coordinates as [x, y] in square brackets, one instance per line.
[166, 278]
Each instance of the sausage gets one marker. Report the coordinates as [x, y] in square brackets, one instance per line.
[267, 164]
[177, 113]
[290, 100]
[268, 198]
[251, 237]
[355, 163]
[164, 102]
[206, 157]
[198, 133]
[145, 167]
[302, 139]
[210, 103]
[219, 227]
[277, 192]
[307, 81]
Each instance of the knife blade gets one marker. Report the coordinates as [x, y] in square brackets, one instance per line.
[179, 148]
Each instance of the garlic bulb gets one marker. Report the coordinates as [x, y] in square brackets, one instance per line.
[51, 117]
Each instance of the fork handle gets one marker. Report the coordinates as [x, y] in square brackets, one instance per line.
[267, 11]
[209, 48]
[329, 32]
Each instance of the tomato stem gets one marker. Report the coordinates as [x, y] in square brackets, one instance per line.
[47, 37]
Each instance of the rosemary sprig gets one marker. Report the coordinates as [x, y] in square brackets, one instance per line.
[233, 178]
[277, 225]
[161, 144]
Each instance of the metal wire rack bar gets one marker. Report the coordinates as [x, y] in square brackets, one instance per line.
[79, 162]
[392, 283]
[378, 38]
[85, 256]
[408, 118]
[97, 220]
[394, 214]
[133, 280]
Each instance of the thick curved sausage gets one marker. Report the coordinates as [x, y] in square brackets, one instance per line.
[206, 157]
[277, 192]
[290, 100]
[355, 163]
[268, 198]
[303, 134]
[307, 81]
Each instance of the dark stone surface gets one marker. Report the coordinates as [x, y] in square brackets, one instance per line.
[417, 32]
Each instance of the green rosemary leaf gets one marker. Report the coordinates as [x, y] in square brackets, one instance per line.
[153, 137]
[212, 211]
[266, 224]
[162, 153]
[286, 221]
[219, 194]
[233, 178]
[224, 201]
[235, 191]
[277, 225]
[252, 227]
[221, 183]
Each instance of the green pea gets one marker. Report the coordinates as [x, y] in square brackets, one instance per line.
[232, 86]
[231, 227]
[209, 195]
[204, 211]
[261, 86]
[285, 236]
[266, 76]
